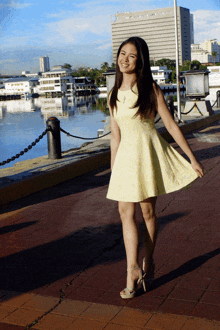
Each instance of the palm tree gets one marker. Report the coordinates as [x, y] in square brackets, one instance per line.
[104, 66]
[214, 54]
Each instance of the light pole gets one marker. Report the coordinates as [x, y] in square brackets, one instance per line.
[177, 66]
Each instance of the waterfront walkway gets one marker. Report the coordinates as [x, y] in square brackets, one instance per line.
[63, 262]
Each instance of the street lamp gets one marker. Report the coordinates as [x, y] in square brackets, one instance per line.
[197, 88]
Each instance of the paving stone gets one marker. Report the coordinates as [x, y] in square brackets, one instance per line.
[73, 308]
[84, 324]
[101, 312]
[54, 238]
[208, 311]
[166, 322]
[56, 322]
[23, 317]
[132, 317]
[201, 324]
[5, 326]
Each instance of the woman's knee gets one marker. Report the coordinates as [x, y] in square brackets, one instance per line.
[126, 210]
[148, 211]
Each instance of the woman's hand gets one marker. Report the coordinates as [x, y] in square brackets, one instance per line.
[198, 168]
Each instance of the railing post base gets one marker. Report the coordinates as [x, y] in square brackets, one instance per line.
[53, 138]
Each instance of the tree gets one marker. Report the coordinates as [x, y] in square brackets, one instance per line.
[104, 66]
[170, 64]
[185, 66]
[214, 54]
[67, 66]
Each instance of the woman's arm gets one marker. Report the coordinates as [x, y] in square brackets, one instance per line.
[115, 137]
[176, 133]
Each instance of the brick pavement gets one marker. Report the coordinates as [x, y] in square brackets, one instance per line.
[63, 261]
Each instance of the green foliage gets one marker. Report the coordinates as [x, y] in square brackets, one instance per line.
[173, 76]
[101, 104]
[170, 64]
[67, 66]
[94, 74]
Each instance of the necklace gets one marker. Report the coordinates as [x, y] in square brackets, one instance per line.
[125, 95]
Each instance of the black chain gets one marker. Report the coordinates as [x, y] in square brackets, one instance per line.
[82, 138]
[215, 102]
[157, 120]
[26, 149]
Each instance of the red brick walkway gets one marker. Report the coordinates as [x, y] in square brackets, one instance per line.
[63, 261]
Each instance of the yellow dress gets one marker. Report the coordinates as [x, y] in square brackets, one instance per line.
[145, 164]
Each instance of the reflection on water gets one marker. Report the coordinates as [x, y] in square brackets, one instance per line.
[22, 121]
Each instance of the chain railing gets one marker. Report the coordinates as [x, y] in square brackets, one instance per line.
[83, 138]
[26, 149]
[54, 129]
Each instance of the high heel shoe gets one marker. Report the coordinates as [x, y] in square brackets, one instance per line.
[131, 292]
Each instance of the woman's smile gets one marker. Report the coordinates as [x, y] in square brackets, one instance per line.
[127, 59]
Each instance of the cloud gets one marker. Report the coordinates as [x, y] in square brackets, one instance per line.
[105, 46]
[12, 4]
[78, 29]
[206, 25]
[9, 61]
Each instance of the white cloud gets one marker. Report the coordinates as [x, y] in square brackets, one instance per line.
[74, 29]
[9, 61]
[12, 4]
[206, 25]
[105, 46]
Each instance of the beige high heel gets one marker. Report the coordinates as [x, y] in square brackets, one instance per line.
[131, 292]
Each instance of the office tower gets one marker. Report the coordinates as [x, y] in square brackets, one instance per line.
[192, 28]
[157, 28]
[44, 64]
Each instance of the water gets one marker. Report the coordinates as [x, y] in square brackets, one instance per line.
[22, 121]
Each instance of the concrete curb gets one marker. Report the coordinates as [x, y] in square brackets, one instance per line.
[51, 178]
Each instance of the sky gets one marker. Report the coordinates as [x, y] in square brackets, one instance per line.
[78, 32]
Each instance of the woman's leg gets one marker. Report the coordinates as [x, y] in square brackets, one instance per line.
[151, 230]
[131, 241]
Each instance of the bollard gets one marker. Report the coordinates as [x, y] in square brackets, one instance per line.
[218, 99]
[53, 138]
[170, 105]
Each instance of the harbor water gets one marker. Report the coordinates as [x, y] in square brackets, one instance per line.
[22, 121]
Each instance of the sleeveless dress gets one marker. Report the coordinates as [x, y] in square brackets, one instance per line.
[145, 164]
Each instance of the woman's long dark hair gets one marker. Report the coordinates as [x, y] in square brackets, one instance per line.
[147, 101]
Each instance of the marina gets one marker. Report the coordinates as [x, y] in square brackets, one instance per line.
[22, 121]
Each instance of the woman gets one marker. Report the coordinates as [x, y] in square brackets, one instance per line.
[143, 164]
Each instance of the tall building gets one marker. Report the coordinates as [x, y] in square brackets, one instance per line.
[192, 28]
[199, 54]
[157, 28]
[44, 64]
[211, 45]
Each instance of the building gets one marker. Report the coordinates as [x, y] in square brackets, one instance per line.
[160, 74]
[211, 45]
[202, 52]
[58, 80]
[157, 28]
[192, 28]
[214, 82]
[44, 64]
[20, 86]
[199, 54]
[61, 81]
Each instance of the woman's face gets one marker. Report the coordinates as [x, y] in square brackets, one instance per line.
[127, 59]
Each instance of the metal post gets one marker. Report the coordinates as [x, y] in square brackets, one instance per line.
[53, 138]
[218, 99]
[170, 105]
[177, 65]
